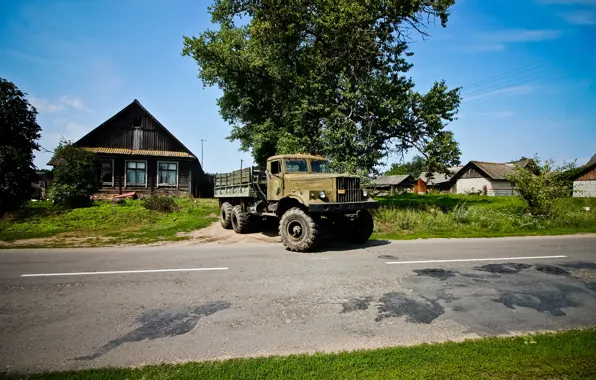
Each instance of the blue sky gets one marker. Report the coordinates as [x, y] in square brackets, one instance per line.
[527, 67]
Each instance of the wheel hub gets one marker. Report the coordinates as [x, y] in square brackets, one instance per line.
[295, 230]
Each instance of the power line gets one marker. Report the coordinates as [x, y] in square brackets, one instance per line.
[525, 67]
[487, 94]
[517, 82]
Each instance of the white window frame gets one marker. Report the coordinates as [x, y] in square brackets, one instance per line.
[126, 172]
[113, 169]
[159, 176]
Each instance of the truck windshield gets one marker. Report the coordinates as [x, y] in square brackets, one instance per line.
[320, 166]
[296, 165]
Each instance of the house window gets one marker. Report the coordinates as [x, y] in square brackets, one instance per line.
[167, 173]
[107, 173]
[136, 173]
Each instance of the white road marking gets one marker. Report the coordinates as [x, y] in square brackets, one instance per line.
[463, 260]
[122, 272]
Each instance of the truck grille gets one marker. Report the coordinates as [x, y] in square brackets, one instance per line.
[352, 190]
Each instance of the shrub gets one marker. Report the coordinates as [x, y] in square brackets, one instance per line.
[161, 203]
[75, 178]
[540, 184]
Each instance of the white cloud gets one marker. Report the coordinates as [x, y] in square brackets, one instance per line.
[516, 90]
[71, 131]
[60, 104]
[498, 114]
[524, 35]
[580, 17]
[485, 47]
[570, 2]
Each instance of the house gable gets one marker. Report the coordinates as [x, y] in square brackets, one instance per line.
[133, 128]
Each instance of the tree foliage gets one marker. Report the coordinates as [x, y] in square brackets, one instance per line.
[540, 184]
[75, 176]
[326, 77]
[19, 133]
[413, 168]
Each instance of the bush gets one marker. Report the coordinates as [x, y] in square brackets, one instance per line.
[161, 203]
[540, 184]
[75, 177]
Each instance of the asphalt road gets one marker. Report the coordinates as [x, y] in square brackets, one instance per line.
[271, 301]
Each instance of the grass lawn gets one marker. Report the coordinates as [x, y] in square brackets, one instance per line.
[564, 355]
[411, 216]
[105, 223]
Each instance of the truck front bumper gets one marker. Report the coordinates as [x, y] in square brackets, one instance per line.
[346, 207]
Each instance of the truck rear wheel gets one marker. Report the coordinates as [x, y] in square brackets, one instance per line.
[239, 220]
[361, 228]
[298, 230]
[225, 215]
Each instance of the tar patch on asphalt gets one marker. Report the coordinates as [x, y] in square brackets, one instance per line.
[416, 309]
[441, 274]
[551, 269]
[506, 268]
[356, 304]
[162, 323]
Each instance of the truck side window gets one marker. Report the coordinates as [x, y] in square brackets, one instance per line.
[275, 167]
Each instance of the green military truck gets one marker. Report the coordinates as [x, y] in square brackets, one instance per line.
[302, 192]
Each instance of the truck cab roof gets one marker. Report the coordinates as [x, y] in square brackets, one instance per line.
[287, 156]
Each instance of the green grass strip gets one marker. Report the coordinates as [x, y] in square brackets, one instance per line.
[563, 355]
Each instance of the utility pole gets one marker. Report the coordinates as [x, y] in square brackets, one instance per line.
[202, 161]
[241, 164]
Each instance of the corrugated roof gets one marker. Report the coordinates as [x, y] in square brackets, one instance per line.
[138, 152]
[389, 180]
[128, 152]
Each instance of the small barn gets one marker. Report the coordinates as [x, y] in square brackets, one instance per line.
[486, 178]
[584, 183]
[136, 153]
[392, 184]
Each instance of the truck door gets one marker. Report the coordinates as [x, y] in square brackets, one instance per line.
[275, 186]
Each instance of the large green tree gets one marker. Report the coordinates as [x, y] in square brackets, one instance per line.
[19, 133]
[326, 77]
[413, 168]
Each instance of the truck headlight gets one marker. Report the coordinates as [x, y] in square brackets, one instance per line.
[322, 194]
[364, 193]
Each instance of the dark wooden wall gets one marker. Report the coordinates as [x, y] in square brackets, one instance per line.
[589, 176]
[470, 173]
[132, 129]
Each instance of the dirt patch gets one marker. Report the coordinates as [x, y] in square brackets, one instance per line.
[61, 240]
[215, 233]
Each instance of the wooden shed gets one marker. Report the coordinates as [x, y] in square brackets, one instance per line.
[137, 153]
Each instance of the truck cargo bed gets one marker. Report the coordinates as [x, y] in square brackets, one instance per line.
[241, 183]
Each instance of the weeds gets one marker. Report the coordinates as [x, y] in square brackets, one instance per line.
[422, 216]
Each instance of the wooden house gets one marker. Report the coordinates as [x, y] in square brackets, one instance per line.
[136, 153]
[584, 183]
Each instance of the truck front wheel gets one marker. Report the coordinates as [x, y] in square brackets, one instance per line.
[298, 230]
[361, 228]
[225, 215]
[239, 220]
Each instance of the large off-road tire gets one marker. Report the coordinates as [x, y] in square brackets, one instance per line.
[239, 220]
[225, 215]
[298, 231]
[361, 228]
